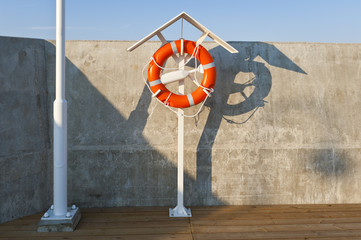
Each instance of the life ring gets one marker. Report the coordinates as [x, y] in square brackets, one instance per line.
[172, 99]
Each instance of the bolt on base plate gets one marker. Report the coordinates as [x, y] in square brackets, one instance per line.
[64, 223]
[180, 211]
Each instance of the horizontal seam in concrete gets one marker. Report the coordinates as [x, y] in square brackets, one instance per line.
[20, 153]
[146, 147]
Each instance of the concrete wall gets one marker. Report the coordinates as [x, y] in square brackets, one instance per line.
[281, 128]
[24, 129]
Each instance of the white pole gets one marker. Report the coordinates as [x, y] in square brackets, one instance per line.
[180, 210]
[60, 117]
[180, 140]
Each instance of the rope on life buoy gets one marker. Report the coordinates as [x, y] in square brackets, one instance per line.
[169, 99]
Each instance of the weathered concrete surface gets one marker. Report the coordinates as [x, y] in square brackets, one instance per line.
[301, 145]
[281, 128]
[24, 131]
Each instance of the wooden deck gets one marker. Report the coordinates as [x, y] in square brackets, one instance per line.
[312, 222]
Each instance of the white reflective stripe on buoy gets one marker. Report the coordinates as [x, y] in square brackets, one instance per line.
[190, 99]
[174, 47]
[155, 82]
[182, 48]
[209, 65]
[156, 93]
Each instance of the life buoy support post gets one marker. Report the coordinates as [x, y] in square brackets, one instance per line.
[160, 90]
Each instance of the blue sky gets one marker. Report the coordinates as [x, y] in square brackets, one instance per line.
[232, 20]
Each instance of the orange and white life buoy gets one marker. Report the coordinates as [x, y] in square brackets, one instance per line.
[160, 90]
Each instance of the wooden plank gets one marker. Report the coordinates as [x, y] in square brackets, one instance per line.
[318, 238]
[102, 232]
[163, 224]
[279, 209]
[321, 222]
[279, 235]
[123, 237]
[125, 209]
[107, 225]
[300, 206]
[222, 216]
[278, 228]
[250, 222]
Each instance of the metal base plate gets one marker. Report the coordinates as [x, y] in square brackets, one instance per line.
[180, 211]
[52, 223]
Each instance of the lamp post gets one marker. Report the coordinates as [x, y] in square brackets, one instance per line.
[60, 218]
[60, 117]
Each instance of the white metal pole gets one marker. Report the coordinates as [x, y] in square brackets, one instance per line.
[60, 117]
[180, 141]
[180, 210]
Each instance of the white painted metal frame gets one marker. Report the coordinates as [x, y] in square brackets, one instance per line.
[60, 117]
[192, 21]
[180, 210]
[59, 210]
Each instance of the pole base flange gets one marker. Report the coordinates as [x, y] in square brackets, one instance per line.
[50, 222]
[180, 211]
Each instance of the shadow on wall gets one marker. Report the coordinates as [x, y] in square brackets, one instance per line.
[112, 164]
[254, 88]
[24, 138]
[328, 163]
